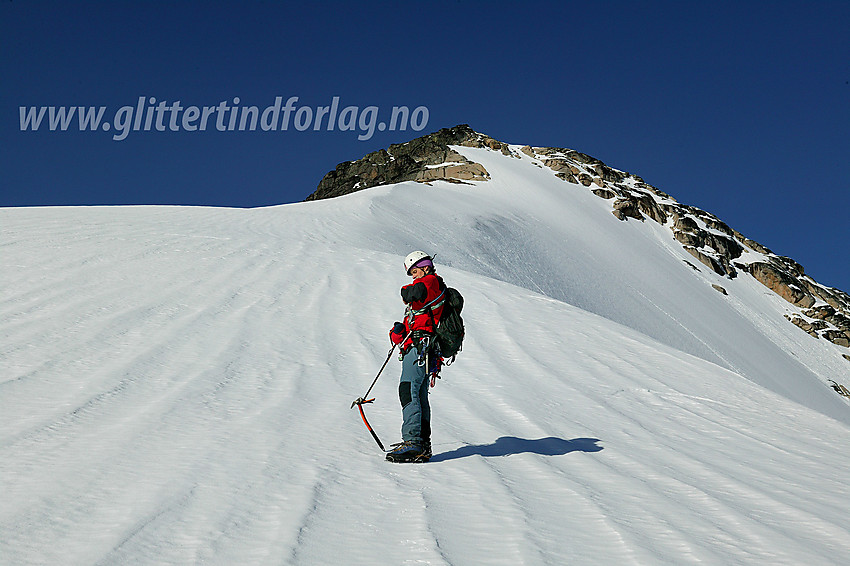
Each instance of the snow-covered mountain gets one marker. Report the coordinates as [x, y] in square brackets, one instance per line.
[550, 237]
[176, 381]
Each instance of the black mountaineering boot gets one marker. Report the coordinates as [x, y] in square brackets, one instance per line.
[409, 452]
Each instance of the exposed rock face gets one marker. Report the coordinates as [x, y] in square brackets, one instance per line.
[821, 311]
[626, 208]
[781, 283]
[424, 159]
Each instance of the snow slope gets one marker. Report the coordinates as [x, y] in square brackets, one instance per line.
[175, 387]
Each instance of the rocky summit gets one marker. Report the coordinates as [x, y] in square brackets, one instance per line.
[823, 312]
[429, 158]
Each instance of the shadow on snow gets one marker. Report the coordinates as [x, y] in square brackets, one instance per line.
[508, 445]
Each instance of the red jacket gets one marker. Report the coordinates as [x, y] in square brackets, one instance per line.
[424, 298]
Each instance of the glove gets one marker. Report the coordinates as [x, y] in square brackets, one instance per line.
[397, 333]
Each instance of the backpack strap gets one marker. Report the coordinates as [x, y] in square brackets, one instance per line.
[438, 302]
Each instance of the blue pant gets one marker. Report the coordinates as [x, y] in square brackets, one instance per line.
[413, 394]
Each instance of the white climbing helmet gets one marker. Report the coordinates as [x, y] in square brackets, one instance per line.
[413, 259]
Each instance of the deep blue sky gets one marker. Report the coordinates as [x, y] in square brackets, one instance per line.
[740, 108]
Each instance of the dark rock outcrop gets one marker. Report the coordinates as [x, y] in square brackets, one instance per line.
[428, 158]
[719, 289]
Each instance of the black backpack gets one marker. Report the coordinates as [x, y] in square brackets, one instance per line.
[450, 331]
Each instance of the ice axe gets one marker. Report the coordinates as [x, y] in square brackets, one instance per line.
[360, 401]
